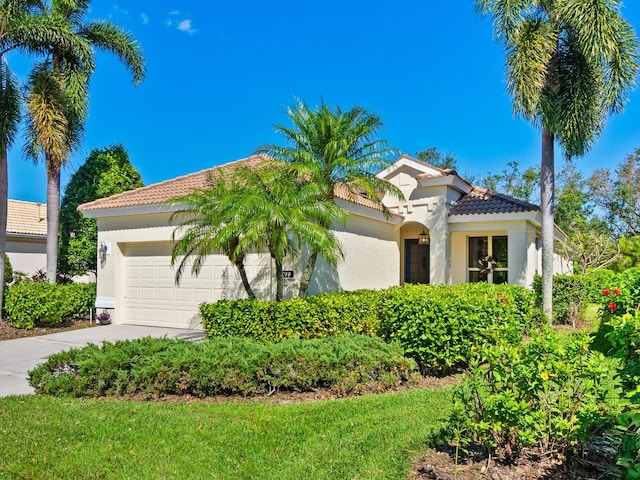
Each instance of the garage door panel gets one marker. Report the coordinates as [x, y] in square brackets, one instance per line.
[151, 296]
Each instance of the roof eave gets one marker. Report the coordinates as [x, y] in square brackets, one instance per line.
[126, 211]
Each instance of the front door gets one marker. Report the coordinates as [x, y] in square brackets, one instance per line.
[416, 261]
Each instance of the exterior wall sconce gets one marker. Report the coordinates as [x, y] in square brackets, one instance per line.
[102, 251]
[423, 238]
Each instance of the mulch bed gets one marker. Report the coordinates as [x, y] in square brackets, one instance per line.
[596, 462]
[8, 332]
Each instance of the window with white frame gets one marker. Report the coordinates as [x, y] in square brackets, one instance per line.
[488, 257]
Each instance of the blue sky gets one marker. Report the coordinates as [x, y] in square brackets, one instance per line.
[221, 74]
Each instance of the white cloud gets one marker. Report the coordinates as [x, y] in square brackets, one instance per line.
[185, 26]
[168, 22]
[145, 18]
[174, 12]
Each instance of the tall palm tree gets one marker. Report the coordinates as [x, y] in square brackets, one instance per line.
[24, 30]
[58, 98]
[570, 64]
[332, 148]
[251, 210]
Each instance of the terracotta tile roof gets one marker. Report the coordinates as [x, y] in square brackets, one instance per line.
[158, 193]
[26, 218]
[483, 201]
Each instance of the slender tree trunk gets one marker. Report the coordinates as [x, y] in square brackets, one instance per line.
[279, 282]
[3, 221]
[53, 221]
[245, 280]
[548, 227]
[305, 278]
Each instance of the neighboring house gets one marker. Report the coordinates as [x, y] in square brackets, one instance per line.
[442, 233]
[26, 236]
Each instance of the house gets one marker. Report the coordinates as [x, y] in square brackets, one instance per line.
[445, 231]
[26, 236]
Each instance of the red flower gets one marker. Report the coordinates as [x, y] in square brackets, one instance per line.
[606, 292]
[616, 291]
[612, 306]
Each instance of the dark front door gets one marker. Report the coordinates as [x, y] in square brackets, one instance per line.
[416, 261]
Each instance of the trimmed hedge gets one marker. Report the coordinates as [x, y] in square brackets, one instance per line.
[316, 316]
[439, 326]
[436, 324]
[352, 364]
[30, 304]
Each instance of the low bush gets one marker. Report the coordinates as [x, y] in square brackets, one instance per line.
[438, 325]
[316, 316]
[351, 364]
[30, 304]
[624, 337]
[550, 392]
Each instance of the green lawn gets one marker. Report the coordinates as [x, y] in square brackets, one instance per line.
[370, 437]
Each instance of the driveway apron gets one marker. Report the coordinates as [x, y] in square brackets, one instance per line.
[19, 356]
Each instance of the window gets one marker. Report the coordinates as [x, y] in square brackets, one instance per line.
[488, 259]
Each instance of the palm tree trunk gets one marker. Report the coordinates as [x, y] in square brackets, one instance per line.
[279, 282]
[546, 210]
[53, 215]
[3, 221]
[245, 280]
[305, 279]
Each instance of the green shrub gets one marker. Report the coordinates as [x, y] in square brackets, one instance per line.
[438, 325]
[572, 294]
[549, 392]
[30, 304]
[315, 316]
[345, 365]
[624, 336]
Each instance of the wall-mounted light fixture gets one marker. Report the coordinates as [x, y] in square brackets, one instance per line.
[102, 251]
[423, 238]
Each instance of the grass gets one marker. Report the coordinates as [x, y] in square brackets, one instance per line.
[370, 437]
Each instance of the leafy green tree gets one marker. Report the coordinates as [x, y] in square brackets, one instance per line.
[334, 148]
[106, 172]
[570, 64]
[58, 96]
[22, 29]
[618, 194]
[515, 183]
[434, 157]
[266, 208]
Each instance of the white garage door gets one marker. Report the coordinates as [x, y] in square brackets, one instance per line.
[151, 296]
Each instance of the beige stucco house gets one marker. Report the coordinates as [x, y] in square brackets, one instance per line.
[442, 232]
[26, 236]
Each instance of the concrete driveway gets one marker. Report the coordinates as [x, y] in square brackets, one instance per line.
[19, 356]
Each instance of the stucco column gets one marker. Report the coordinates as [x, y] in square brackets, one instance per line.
[518, 251]
[440, 252]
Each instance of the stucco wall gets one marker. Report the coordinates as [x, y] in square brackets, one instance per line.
[26, 255]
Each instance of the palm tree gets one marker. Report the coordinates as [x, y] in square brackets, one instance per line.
[334, 148]
[206, 226]
[570, 64]
[24, 30]
[58, 98]
[264, 208]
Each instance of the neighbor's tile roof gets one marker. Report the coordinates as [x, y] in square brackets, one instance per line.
[483, 201]
[26, 218]
[159, 193]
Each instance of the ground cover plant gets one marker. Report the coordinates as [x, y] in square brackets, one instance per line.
[368, 437]
[347, 365]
